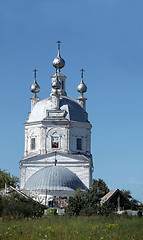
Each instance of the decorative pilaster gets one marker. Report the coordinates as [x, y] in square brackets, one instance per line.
[34, 100]
[82, 101]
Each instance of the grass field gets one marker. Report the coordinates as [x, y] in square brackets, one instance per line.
[74, 228]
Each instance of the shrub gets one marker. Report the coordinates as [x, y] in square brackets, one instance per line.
[17, 205]
[51, 211]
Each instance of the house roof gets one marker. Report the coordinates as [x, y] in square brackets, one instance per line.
[10, 190]
[110, 195]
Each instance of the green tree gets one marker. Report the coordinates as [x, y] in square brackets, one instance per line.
[87, 202]
[76, 203]
[5, 177]
[134, 202]
[127, 194]
[99, 187]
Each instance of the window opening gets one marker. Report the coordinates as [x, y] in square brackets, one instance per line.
[62, 84]
[79, 144]
[32, 143]
[55, 141]
[50, 203]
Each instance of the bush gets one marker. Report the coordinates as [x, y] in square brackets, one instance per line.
[106, 209]
[17, 205]
[51, 211]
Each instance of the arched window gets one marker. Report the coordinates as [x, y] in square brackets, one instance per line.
[55, 139]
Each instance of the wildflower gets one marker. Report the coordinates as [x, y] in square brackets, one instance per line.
[12, 217]
[111, 225]
[49, 228]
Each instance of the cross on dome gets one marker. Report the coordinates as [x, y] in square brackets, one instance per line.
[35, 73]
[82, 70]
[59, 45]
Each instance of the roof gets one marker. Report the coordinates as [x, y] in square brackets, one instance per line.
[54, 179]
[10, 189]
[73, 110]
[74, 156]
[110, 194]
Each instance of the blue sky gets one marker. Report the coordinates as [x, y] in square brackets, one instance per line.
[105, 37]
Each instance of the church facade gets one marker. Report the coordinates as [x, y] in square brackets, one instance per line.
[57, 158]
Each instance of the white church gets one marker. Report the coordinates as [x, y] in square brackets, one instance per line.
[57, 158]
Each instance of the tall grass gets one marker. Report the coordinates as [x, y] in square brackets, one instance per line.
[74, 228]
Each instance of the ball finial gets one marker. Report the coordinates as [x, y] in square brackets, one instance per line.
[35, 88]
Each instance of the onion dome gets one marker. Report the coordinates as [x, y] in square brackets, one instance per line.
[82, 87]
[35, 88]
[54, 179]
[56, 84]
[58, 62]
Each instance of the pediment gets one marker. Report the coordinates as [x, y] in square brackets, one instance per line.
[60, 157]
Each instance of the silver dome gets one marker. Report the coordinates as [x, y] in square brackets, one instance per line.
[54, 179]
[59, 62]
[82, 87]
[35, 88]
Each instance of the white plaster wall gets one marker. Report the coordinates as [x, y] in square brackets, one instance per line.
[26, 173]
[84, 134]
[82, 172]
[32, 132]
[43, 197]
[68, 135]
